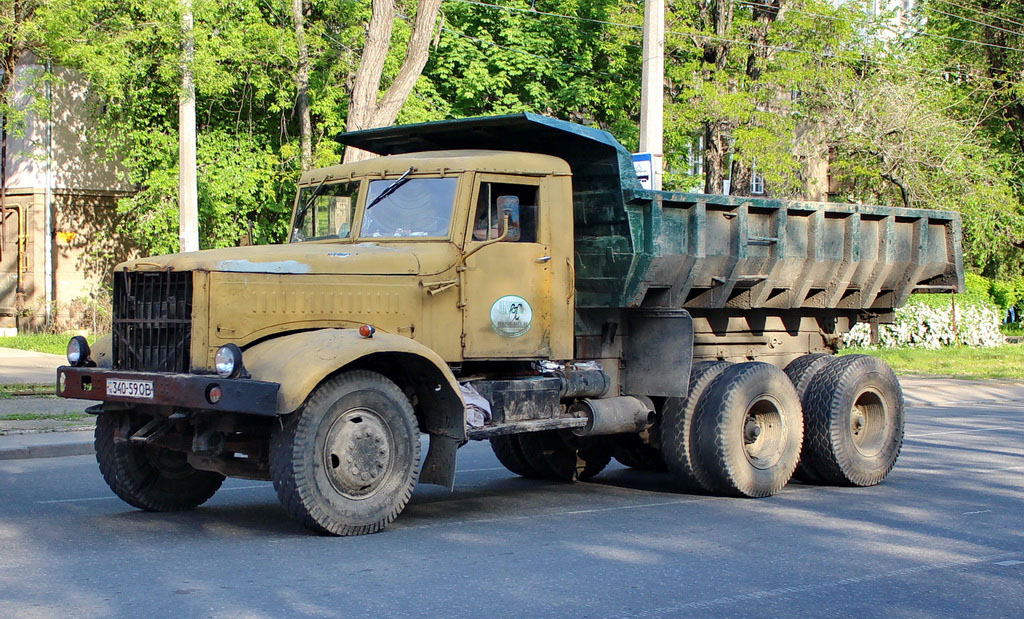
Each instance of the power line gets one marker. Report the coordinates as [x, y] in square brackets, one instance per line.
[981, 11]
[973, 21]
[915, 32]
[696, 35]
[517, 50]
[535, 12]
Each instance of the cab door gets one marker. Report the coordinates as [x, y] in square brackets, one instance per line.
[507, 284]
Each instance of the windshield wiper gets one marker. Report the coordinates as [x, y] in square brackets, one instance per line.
[392, 188]
[305, 207]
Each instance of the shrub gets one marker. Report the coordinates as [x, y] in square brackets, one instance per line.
[922, 323]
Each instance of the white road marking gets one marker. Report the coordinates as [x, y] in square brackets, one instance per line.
[574, 512]
[961, 431]
[1009, 468]
[783, 591]
[92, 498]
[109, 498]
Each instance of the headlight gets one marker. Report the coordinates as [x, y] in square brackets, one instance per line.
[78, 351]
[228, 361]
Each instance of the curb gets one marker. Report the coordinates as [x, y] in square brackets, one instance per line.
[54, 450]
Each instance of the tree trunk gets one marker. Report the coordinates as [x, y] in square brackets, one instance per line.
[365, 110]
[717, 16]
[302, 85]
[10, 62]
[716, 147]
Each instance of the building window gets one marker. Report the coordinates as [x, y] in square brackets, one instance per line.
[756, 181]
[696, 158]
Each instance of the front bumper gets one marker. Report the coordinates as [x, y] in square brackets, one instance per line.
[240, 395]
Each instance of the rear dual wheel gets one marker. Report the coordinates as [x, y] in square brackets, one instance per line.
[677, 428]
[854, 415]
[801, 372]
[748, 429]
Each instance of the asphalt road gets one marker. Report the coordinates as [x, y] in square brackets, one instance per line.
[941, 537]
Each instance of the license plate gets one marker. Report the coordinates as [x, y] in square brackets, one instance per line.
[130, 388]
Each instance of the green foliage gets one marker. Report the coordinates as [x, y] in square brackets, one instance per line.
[496, 61]
[920, 120]
[1001, 293]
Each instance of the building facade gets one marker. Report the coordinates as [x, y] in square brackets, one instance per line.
[59, 214]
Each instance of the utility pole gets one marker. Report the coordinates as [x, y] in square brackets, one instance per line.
[652, 91]
[188, 192]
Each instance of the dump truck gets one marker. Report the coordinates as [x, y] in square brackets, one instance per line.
[507, 279]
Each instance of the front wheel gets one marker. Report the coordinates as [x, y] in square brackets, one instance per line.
[149, 477]
[346, 463]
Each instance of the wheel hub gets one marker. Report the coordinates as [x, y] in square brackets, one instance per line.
[764, 432]
[869, 422]
[751, 430]
[358, 453]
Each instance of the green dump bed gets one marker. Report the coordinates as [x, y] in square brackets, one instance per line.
[662, 249]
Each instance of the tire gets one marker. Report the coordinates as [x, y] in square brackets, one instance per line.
[854, 409]
[800, 372]
[749, 430]
[557, 458]
[630, 451]
[346, 463]
[596, 455]
[510, 454]
[149, 477]
[802, 369]
[677, 436]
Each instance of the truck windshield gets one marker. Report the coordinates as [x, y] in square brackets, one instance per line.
[419, 207]
[325, 211]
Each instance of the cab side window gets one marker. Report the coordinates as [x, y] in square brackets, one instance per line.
[498, 200]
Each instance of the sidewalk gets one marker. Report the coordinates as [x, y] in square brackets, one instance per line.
[938, 391]
[31, 368]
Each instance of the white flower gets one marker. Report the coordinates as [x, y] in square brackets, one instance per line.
[918, 325]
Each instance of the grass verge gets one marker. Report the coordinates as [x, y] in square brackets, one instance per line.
[21, 389]
[1006, 362]
[45, 417]
[53, 343]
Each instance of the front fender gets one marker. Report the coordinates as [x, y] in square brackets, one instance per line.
[103, 352]
[300, 361]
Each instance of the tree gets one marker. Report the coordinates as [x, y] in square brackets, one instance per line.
[302, 83]
[367, 107]
[16, 17]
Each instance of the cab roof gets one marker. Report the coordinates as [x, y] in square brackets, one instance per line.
[441, 161]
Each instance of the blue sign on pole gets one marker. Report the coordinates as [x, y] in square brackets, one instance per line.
[643, 164]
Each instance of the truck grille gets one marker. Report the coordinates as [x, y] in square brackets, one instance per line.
[152, 324]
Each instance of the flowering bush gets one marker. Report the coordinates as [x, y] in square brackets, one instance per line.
[922, 325]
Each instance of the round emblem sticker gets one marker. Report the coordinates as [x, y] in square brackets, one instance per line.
[511, 316]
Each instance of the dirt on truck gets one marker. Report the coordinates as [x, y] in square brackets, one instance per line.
[507, 279]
